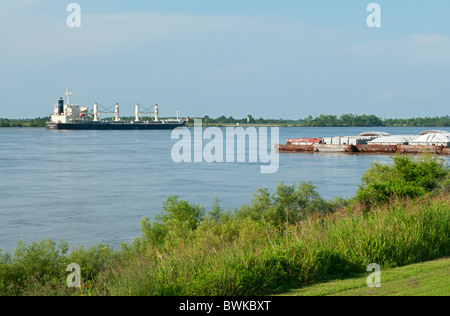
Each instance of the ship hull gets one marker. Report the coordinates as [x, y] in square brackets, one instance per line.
[114, 126]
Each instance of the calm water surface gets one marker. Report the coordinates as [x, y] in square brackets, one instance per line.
[95, 186]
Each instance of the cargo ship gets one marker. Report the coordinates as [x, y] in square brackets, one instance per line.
[432, 141]
[67, 116]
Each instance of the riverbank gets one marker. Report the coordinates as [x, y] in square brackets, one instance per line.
[237, 256]
[279, 241]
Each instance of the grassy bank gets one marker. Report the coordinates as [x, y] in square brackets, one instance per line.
[281, 240]
[430, 278]
[253, 258]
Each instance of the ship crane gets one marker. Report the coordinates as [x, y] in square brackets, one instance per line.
[138, 113]
[97, 112]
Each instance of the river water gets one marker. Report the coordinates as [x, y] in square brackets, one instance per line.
[95, 186]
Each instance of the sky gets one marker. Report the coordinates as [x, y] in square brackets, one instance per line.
[273, 59]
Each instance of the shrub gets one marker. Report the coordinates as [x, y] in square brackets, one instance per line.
[37, 261]
[40, 268]
[177, 220]
[288, 204]
[406, 177]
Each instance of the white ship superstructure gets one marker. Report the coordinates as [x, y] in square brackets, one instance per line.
[67, 113]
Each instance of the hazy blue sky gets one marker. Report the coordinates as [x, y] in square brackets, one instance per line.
[277, 59]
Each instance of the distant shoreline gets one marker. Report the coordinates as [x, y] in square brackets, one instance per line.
[346, 120]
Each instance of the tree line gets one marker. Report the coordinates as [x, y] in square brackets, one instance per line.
[345, 120]
[36, 122]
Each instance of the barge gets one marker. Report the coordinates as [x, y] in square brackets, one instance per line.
[436, 142]
[67, 116]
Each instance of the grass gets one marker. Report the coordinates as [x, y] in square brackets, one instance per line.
[430, 278]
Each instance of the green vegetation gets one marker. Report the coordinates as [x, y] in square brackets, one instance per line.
[430, 278]
[36, 122]
[406, 177]
[40, 268]
[280, 241]
[345, 120]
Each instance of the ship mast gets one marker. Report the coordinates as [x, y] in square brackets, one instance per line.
[68, 94]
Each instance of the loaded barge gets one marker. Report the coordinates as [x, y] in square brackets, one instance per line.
[73, 117]
[436, 142]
